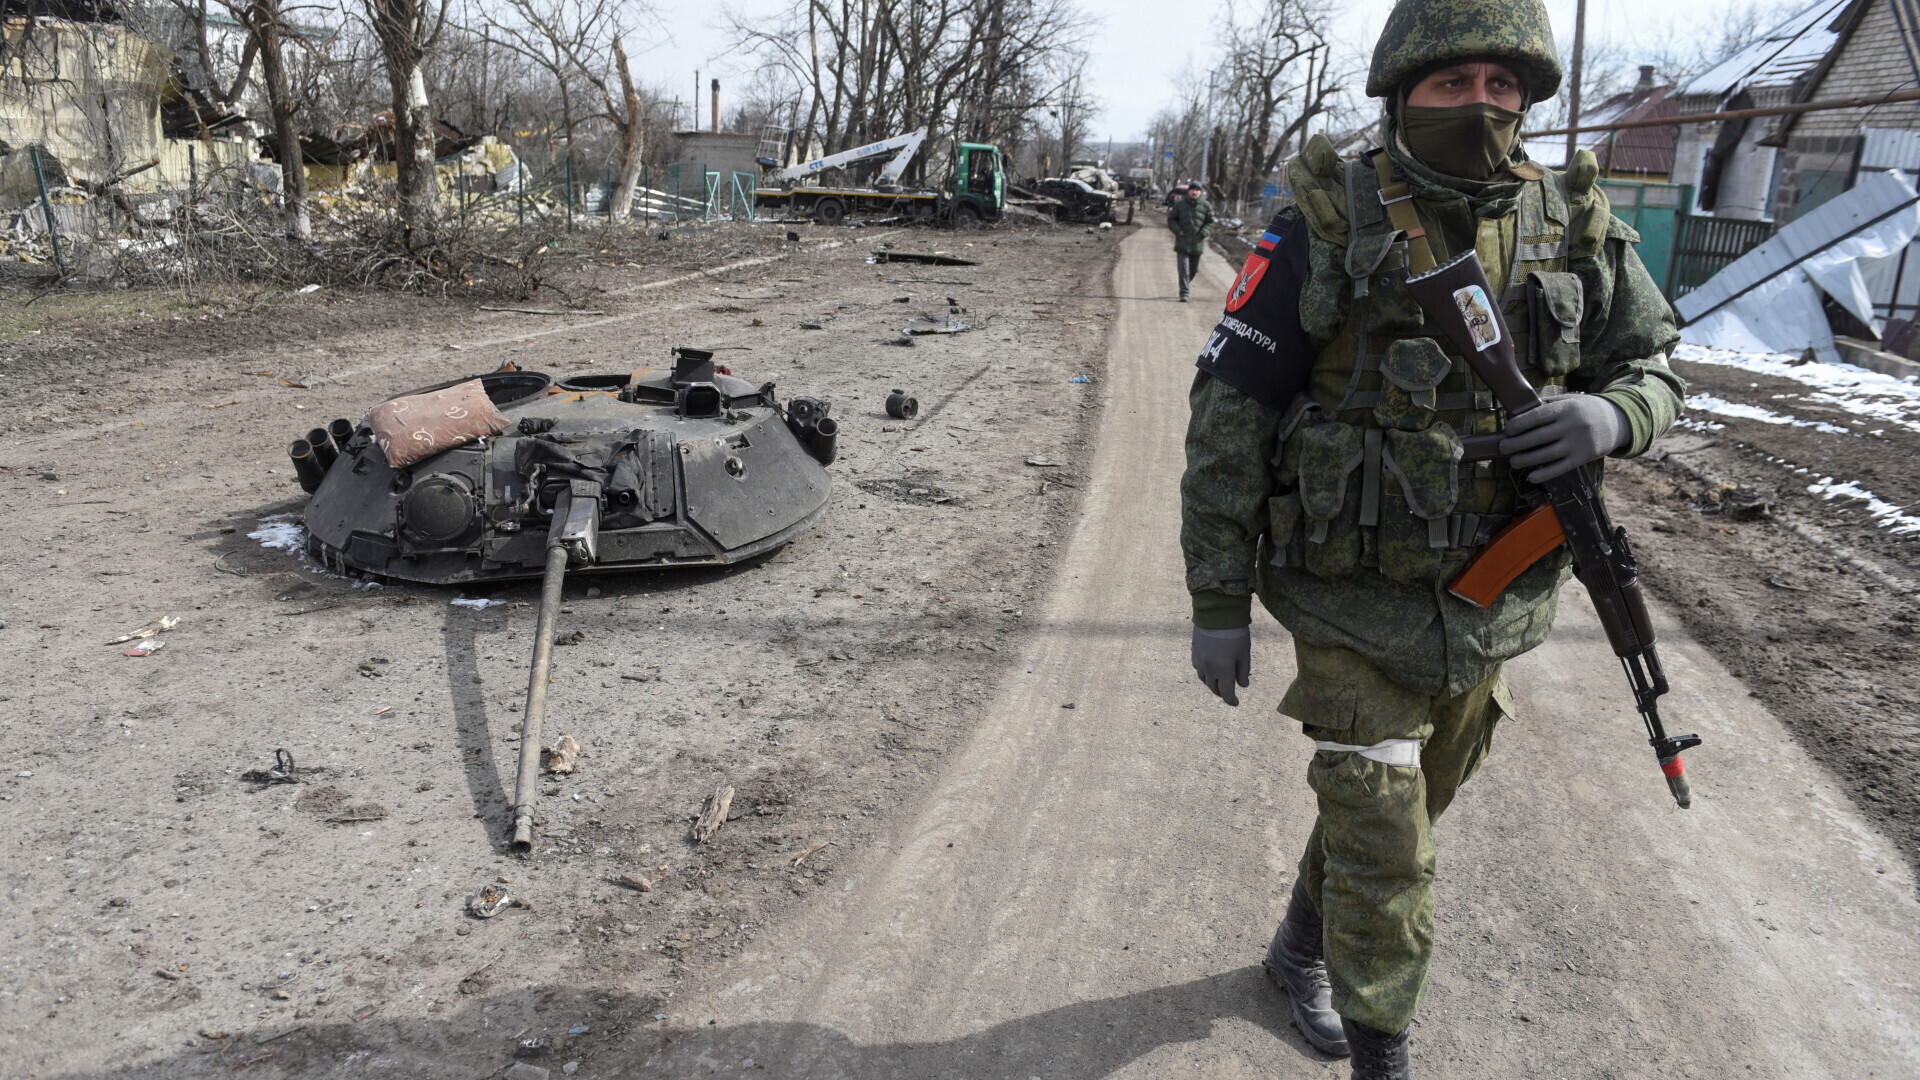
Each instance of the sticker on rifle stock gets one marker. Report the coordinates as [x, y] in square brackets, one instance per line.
[1477, 310]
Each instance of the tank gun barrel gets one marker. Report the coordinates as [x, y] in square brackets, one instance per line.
[574, 539]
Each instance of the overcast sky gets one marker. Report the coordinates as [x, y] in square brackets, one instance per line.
[1142, 46]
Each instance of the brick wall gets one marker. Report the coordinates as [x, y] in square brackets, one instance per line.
[1874, 60]
[1820, 147]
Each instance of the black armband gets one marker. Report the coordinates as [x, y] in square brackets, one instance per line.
[1259, 347]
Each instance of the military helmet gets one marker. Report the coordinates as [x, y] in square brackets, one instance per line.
[1425, 33]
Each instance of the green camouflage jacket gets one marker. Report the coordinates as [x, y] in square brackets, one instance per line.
[1191, 221]
[1286, 342]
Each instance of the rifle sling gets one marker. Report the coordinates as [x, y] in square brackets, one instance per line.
[1397, 197]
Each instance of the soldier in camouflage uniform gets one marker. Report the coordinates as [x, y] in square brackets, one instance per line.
[1325, 476]
[1191, 221]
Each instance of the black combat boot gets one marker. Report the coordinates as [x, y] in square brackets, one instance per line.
[1376, 1054]
[1297, 964]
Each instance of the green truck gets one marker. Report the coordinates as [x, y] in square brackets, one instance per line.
[976, 192]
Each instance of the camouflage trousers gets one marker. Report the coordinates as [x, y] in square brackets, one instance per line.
[1369, 862]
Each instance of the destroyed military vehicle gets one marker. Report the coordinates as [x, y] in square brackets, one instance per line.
[682, 466]
[514, 474]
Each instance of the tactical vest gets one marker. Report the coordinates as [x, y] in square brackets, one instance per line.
[1373, 452]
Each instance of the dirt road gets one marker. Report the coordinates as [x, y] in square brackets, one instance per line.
[163, 914]
[1088, 886]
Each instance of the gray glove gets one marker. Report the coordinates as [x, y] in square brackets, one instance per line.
[1223, 658]
[1563, 434]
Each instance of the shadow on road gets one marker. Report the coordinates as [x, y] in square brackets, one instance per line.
[1085, 1041]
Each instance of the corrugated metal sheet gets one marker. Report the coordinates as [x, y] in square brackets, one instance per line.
[1876, 196]
[1890, 148]
[1787, 51]
[1643, 150]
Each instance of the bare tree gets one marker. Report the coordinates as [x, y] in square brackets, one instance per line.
[266, 30]
[1279, 73]
[582, 45]
[406, 31]
[986, 70]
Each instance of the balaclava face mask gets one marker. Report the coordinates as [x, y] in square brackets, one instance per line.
[1473, 142]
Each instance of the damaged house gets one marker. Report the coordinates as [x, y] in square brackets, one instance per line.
[1774, 169]
[104, 105]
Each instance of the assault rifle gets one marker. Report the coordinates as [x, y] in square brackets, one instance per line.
[1456, 297]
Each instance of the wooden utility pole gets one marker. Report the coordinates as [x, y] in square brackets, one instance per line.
[1573, 87]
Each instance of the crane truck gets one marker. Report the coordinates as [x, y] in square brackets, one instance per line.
[976, 192]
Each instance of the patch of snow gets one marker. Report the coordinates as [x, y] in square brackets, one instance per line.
[1892, 518]
[1854, 390]
[281, 532]
[1710, 404]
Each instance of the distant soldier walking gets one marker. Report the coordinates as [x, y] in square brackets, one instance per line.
[1191, 219]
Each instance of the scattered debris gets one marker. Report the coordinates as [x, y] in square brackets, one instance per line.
[1749, 504]
[933, 259]
[523, 1071]
[713, 813]
[561, 758]
[579, 1029]
[910, 491]
[811, 326]
[281, 773]
[636, 882]
[902, 407]
[336, 806]
[1781, 581]
[1040, 462]
[150, 630]
[477, 604]
[538, 311]
[145, 648]
[1080, 379]
[364, 1011]
[812, 851]
[170, 976]
[491, 900]
[928, 324]
[903, 341]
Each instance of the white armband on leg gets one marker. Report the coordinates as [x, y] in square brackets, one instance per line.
[1404, 753]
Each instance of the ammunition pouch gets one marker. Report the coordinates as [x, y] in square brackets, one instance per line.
[1555, 304]
[1415, 533]
[1411, 373]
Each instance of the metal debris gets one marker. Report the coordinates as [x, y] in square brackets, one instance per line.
[930, 259]
[930, 324]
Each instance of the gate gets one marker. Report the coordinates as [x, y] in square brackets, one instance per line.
[1707, 245]
[1654, 210]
